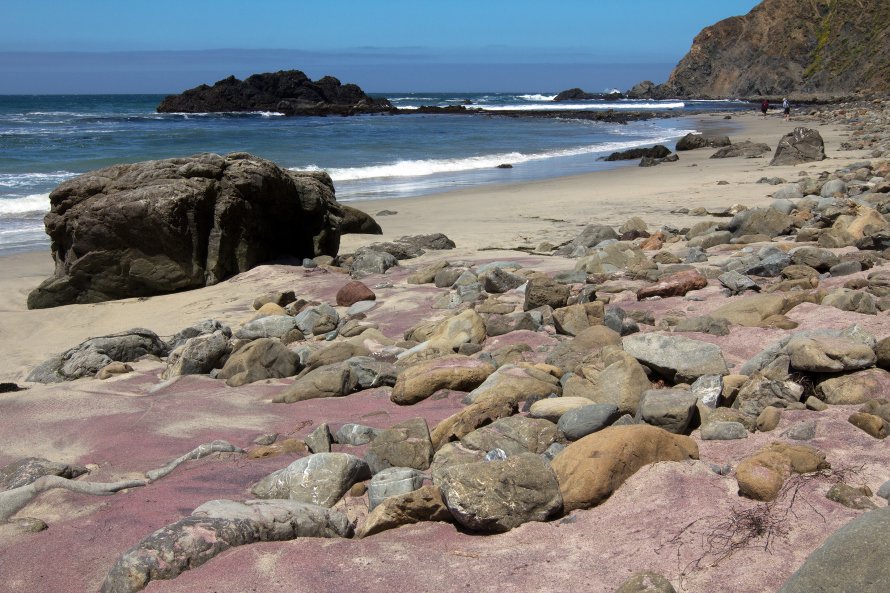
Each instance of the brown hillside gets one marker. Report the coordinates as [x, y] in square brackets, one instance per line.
[815, 47]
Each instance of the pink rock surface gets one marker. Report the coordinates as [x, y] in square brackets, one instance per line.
[133, 423]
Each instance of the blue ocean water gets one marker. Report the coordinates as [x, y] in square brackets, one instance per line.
[45, 140]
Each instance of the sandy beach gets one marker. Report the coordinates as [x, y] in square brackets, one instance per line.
[496, 219]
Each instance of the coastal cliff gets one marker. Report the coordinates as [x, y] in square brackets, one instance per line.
[290, 92]
[812, 48]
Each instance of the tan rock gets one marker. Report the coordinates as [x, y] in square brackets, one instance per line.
[552, 408]
[762, 476]
[622, 383]
[569, 354]
[465, 328]
[751, 311]
[424, 504]
[280, 448]
[825, 354]
[574, 319]
[270, 309]
[516, 383]
[871, 424]
[469, 419]
[456, 372]
[855, 388]
[768, 419]
[113, 368]
[428, 274]
[590, 469]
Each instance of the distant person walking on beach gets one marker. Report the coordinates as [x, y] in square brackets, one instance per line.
[764, 106]
[786, 108]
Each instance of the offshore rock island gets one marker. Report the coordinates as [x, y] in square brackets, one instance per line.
[290, 92]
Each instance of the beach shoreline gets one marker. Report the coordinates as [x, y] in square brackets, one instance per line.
[494, 220]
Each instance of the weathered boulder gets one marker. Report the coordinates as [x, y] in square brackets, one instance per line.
[590, 469]
[214, 527]
[553, 408]
[569, 354]
[692, 141]
[496, 496]
[580, 422]
[392, 481]
[621, 383]
[406, 444]
[515, 383]
[824, 354]
[322, 479]
[456, 372]
[208, 326]
[423, 504]
[333, 380]
[745, 149]
[542, 290]
[198, 355]
[760, 221]
[162, 226]
[470, 418]
[670, 409]
[513, 435]
[290, 92]
[854, 388]
[271, 326]
[762, 475]
[356, 221]
[802, 145]
[86, 359]
[677, 358]
[851, 559]
[266, 358]
[573, 319]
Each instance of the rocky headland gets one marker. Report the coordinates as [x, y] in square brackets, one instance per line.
[822, 49]
[290, 92]
[690, 403]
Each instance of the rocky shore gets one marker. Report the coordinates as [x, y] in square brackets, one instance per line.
[691, 398]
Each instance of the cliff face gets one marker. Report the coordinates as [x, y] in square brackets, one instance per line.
[782, 47]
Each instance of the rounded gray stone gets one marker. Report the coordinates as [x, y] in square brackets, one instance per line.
[580, 422]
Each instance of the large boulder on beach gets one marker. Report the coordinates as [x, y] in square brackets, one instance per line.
[290, 92]
[803, 145]
[854, 558]
[87, 358]
[162, 226]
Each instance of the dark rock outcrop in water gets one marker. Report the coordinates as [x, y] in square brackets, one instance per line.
[162, 226]
[577, 94]
[289, 92]
[821, 48]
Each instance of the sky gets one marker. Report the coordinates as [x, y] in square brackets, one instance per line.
[165, 46]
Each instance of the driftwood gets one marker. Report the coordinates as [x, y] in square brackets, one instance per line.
[196, 453]
[11, 501]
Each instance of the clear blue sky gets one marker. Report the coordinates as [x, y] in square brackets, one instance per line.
[60, 46]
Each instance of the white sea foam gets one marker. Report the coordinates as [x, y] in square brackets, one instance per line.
[17, 206]
[8, 180]
[587, 106]
[423, 167]
[537, 97]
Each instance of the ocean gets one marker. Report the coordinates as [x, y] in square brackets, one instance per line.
[47, 139]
